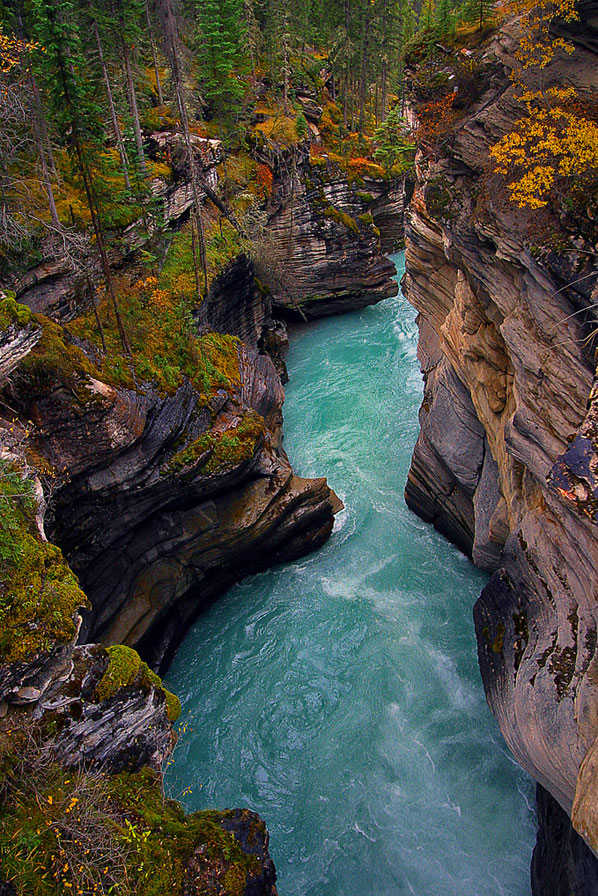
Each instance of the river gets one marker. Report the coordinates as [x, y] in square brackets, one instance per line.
[339, 696]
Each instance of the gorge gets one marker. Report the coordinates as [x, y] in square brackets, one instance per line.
[346, 707]
[144, 470]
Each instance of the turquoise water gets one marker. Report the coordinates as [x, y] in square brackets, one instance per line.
[339, 696]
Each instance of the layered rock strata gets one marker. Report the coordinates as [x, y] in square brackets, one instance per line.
[327, 235]
[162, 502]
[505, 461]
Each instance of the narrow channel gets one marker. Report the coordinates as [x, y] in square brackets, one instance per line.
[339, 696]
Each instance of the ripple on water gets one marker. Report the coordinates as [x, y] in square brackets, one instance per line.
[339, 696]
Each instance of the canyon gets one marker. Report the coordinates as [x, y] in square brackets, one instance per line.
[160, 500]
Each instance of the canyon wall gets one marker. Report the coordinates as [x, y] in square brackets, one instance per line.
[506, 458]
[327, 232]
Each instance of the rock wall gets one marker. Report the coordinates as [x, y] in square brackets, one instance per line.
[154, 522]
[327, 236]
[505, 461]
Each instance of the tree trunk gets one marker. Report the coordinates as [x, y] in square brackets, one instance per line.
[48, 186]
[133, 107]
[194, 253]
[43, 129]
[171, 33]
[383, 87]
[384, 59]
[154, 56]
[285, 60]
[115, 123]
[97, 227]
[42, 142]
[92, 293]
[346, 97]
[364, 60]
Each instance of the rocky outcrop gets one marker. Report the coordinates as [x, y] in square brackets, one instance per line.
[59, 285]
[504, 464]
[236, 305]
[327, 234]
[167, 500]
[204, 874]
[562, 863]
[206, 474]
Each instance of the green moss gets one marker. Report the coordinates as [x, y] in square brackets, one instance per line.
[367, 219]
[127, 668]
[340, 217]
[221, 450]
[234, 880]
[440, 195]
[59, 828]
[365, 197]
[165, 347]
[12, 312]
[521, 637]
[223, 244]
[53, 360]
[39, 594]
[498, 643]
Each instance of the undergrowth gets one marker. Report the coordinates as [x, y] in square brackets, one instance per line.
[78, 831]
[39, 594]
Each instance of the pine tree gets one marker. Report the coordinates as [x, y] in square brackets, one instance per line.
[221, 39]
[120, 145]
[61, 70]
[150, 32]
[129, 15]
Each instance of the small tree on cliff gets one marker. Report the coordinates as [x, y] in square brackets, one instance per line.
[555, 140]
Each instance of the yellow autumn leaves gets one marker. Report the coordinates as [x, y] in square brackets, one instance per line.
[11, 50]
[553, 139]
[550, 141]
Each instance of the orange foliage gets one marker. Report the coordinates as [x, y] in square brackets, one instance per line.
[265, 180]
[365, 167]
[435, 120]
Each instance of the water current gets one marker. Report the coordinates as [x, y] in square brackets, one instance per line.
[339, 696]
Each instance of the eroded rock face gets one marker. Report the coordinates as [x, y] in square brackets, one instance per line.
[327, 239]
[506, 459]
[155, 534]
[562, 863]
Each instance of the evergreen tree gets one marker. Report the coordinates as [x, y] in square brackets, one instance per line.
[109, 94]
[61, 70]
[222, 51]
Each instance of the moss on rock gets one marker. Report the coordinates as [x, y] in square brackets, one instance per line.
[54, 360]
[68, 831]
[340, 217]
[12, 312]
[221, 451]
[127, 668]
[39, 593]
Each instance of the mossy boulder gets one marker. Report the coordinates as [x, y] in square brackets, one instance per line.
[13, 313]
[126, 668]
